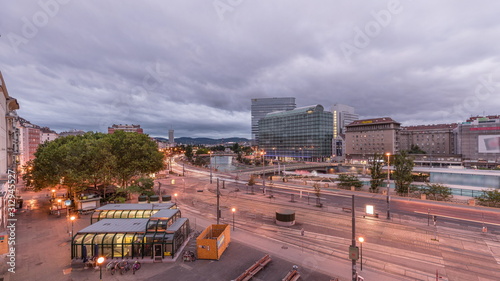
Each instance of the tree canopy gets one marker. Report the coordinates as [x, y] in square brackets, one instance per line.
[377, 177]
[346, 181]
[92, 159]
[402, 175]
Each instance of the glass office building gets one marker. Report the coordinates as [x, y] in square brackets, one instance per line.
[262, 106]
[303, 134]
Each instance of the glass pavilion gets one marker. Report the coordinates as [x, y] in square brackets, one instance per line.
[157, 237]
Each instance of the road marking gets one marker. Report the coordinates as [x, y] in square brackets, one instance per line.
[451, 217]
[494, 249]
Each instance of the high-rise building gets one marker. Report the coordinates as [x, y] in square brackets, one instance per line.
[300, 134]
[262, 106]
[171, 139]
[126, 128]
[343, 115]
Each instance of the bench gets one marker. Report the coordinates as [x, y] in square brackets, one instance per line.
[347, 210]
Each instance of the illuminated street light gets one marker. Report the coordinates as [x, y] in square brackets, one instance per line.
[234, 211]
[72, 228]
[361, 240]
[100, 260]
[175, 196]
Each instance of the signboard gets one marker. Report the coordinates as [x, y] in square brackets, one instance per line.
[366, 122]
[488, 144]
[353, 253]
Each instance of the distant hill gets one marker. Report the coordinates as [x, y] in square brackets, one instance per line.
[204, 141]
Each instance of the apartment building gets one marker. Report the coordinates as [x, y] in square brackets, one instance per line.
[366, 137]
[126, 128]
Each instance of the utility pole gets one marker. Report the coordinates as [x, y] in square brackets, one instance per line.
[210, 153]
[218, 206]
[388, 185]
[353, 250]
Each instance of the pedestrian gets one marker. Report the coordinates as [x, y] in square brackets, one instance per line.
[302, 232]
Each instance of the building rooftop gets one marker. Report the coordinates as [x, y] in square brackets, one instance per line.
[430, 127]
[137, 206]
[165, 213]
[117, 226]
[305, 109]
[380, 120]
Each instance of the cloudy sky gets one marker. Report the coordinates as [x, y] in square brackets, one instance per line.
[193, 66]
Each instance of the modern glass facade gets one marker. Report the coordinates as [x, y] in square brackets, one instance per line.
[129, 211]
[262, 106]
[301, 134]
[159, 236]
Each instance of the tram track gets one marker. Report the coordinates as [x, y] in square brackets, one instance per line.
[329, 229]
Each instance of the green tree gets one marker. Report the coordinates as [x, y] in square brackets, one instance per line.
[415, 149]
[377, 177]
[188, 152]
[490, 198]
[57, 162]
[435, 191]
[78, 162]
[317, 192]
[402, 174]
[346, 181]
[142, 186]
[251, 182]
[135, 155]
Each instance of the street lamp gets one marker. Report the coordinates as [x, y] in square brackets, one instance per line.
[53, 193]
[263, 171]
[175, 196]
[72, 220]
[234, 211]
[361, 240]
[100, 260]
[388, 183]
[210, 153]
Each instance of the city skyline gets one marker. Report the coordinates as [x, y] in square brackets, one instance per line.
[194, 67]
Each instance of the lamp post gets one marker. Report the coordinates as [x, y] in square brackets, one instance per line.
[388, 184]
[175, 197]
[361, 240]
[72, 218]
[100, 260]
[263, 171]
[210, 153]
[234, 211]
[53, 193]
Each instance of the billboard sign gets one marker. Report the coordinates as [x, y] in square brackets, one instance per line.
[489, 144]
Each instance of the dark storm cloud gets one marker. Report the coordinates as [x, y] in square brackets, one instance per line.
[193, 66]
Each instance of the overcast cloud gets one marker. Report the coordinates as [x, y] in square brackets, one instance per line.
[193, 66]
